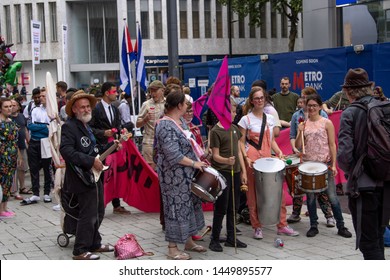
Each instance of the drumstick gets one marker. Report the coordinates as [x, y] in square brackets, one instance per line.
[303, 143]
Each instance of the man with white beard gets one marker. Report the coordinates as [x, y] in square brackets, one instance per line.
[78, 148]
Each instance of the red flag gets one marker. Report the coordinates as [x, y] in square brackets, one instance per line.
[219, 100]
[198, 105]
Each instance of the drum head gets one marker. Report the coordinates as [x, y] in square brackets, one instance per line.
[313, 168]
[295, 160]
[269, 165]
[220, 178]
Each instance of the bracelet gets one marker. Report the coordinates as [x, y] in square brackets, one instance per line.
[193, 164]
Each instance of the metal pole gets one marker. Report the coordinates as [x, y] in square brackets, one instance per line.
[173, 44]
[230, 27]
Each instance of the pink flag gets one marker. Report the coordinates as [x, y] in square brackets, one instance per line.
[219, 100]
[198, 105]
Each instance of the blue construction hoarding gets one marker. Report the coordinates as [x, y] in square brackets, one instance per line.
[322, 69]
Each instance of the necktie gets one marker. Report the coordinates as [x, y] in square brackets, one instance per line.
[111, 114]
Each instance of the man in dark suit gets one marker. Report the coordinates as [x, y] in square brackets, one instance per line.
[77, 147]
[106, 125]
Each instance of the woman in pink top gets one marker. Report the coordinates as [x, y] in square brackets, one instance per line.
[320, 146]
[250, 127]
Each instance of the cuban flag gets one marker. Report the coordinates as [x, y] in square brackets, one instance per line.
[140, 63]
[127, 56]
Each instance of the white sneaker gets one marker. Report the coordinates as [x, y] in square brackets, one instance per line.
[35, 198]
[46, 198]
[258, 234]
[330, 222]
[57, 207]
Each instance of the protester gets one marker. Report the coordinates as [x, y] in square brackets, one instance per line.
[150, 112]
[61, 88]
[19, 178]
[320, 146]
[106, 126]
[365, 194]
[9, 154]
[35, 102]
[323, 199]
[187, 92]
[188, 116]
[38, 152]
[228, 160]
[378, 92]
[251, 129]
[338, 101]
[176, 164]
[77, 147]
[285, 102]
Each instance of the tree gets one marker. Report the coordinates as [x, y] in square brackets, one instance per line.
[289, 8]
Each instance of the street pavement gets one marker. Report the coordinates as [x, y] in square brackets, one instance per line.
[32, 235]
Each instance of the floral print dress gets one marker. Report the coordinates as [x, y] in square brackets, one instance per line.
[183, 212]
[8, 155]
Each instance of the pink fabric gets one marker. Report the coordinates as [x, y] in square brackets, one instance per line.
[219, 101]
[315, 137]
[128, 247]
[197, 106]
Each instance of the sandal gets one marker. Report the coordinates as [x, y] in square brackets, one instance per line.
[196, 248]
[86, 256]
[25, 191]
[179, 254]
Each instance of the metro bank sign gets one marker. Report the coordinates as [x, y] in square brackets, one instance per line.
[307, 78]
[322, 69]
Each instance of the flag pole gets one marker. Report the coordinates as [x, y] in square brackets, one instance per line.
[233, 196]
[130, 74]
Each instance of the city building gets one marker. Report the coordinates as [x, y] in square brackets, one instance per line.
[89, 49]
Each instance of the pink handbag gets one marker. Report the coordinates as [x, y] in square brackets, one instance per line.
[128, 247]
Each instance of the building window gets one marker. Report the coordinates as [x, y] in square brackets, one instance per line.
[274, 32]
[53, 21]
[263, 26]
[131, 18]
[111, 32]
[183, 19]
[207, 18]
[29, 19]
[18, 24]
[241, 27]
[157, 19]
[195, 19]
[41, 18]
[219, 24]
[284, 25]
[8, 30]
[144, 19]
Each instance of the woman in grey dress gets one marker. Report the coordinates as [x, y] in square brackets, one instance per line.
[176, 164]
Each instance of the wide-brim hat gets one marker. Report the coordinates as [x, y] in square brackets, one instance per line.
[356, 78]
[80, 94]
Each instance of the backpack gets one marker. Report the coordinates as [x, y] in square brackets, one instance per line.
[377, 158]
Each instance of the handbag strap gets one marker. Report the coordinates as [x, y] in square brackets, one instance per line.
[251, 142]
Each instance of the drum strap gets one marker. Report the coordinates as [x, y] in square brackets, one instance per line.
[251, 142]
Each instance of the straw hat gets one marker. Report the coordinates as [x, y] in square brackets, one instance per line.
[76, 96]
[356, 78]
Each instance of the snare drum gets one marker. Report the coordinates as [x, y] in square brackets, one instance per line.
[291, 174]
[313, 177]
[208, 185]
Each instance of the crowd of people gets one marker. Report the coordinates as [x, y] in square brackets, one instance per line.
[175, 148]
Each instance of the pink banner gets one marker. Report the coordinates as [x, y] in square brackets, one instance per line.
[198, 105]
[130, 177]
[219, 100]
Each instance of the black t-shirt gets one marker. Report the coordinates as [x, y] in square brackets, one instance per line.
[21, 121]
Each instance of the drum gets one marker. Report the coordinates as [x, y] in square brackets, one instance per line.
[291, 174]
[208, 185]
[313, 177]
[269, 176]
